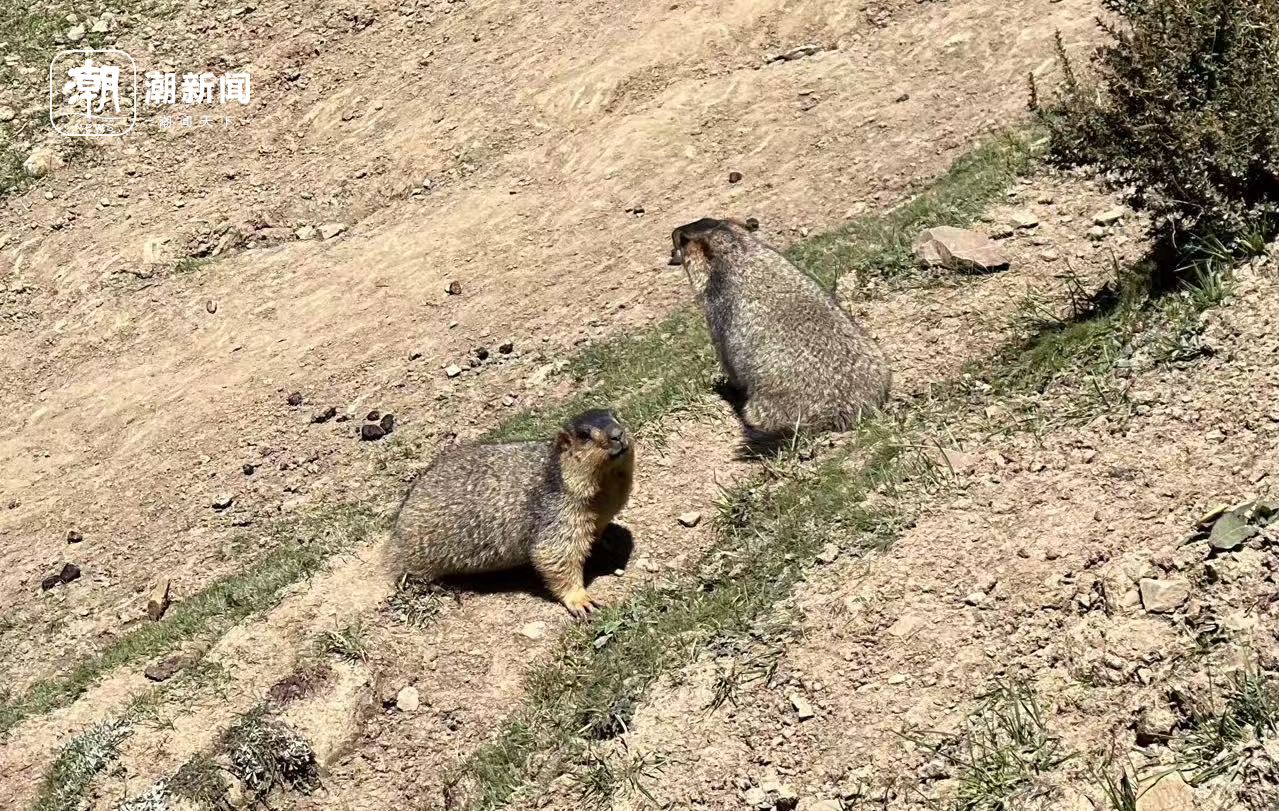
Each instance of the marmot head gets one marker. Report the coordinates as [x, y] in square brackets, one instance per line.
[593, 440]
[697, 245]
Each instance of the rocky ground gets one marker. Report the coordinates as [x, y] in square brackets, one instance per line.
[198, 323]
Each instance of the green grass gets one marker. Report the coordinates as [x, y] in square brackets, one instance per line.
[350, 642]
[1220, 734]
[79, 761]
[312, 541]
[1003, 748]
[879, 245]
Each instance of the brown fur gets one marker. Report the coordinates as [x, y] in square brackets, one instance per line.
[484, 508]
[794, 358]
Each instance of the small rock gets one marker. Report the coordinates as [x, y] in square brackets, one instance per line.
[975, 598]
[734, 177]
[371, 432]
[958, 249]
[7, 114]
[407, 699]
[1155, 725]
[803, 710]
[41, 162]
[897, 678]
[222, 501]
[1096, 233]
[100, 27]
[506, 348]
[482, 353]
[324, 416]
[1163, 596]
[534, 630]
[210, 306]
[828, 554]
[825, 805]
[332, 229]
[387, 423]
[154, 251]
[66, 574]
[1169, 793]
[756, 797]
[508, 401]
[75, 33]
[905, 625]
[373, 416]
[159, 600]
[247, 469]
[787, 799]
[902, 97]
[1050, 256]
[164, 669]
[453, 370]
[74, 536]
[295, 399]
[1024, 220]
[305, 232]
[454, 289]
[1110, 216]
[689, 519]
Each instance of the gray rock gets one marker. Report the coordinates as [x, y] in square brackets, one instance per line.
[958, 249]
[100, 27]
[1096, 233]
[305, 232]
[1024, 219]
[222, 501]
[41, 162]
[164, 669]
[7, 114]
[75, 33]
[407, 700]
[1110, 216]
[453, 370]
[689, 519]
[803, 710]
[828, 554]
[1163, 596]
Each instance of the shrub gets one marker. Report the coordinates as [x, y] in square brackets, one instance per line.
[1183, 110]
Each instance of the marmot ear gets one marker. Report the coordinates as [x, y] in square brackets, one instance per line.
[563, 440]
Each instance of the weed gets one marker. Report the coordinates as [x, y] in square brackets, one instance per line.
[1120, 791]
[600, 776]
[349, 642]
[1003, 747]
[1223, 732]
[267, 754]
[78, 763]
[200, 782]
[417, 602]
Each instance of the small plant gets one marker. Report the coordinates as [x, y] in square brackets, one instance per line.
[199, 781]
[155, 798]
[1004, 746]
[79, 762]
[1120, 791]
[1225, 730]
[1185, 110]
[416, 602]
[601, 777]
[267, 754]
[349, 642]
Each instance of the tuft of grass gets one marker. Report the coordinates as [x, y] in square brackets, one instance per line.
[217, 607]
[1004, 746]
[200, 782]
[601, 776]
[267, 754]
[878, 246]
[1223, 733]
[416, 602]
[350, 642]
[82, 759]
[1120, 791]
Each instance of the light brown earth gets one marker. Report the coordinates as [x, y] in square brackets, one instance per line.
[542, 129]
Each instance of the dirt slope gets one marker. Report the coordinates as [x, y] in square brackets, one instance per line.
[132, 405]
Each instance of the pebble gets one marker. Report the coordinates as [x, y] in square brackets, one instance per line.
[305, 232]
[828, 554]
[324, 416]
[734, 177]
[1110, 216]
[295, 399]
[371, 432]
[534, 630]
[407, 700]
[7, 114]
[1163, 596]
[506, 348]
[211, 306]
[387, 423]
[689, 519]
[453, 370]
[803, 710]
[164, 669]
[454, 289]
[1096, 233]
[74, 536]
[222, 501]
[331, 230]
[247, 469]
[1024, 220]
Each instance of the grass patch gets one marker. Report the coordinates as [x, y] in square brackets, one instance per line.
[267, 754]
[768, 533]
[1223, 734]
[1004, 746]
[879, 245]
[82, 759]
[349, 642]
[212, 610]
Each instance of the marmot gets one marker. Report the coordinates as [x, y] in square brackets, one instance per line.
[488, 507]
[793, 357]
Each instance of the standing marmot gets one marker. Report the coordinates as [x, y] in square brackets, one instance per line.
[794, 358]
[483, 508]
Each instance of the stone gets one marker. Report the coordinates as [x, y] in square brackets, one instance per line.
[958, 249]
[453, 370]
[975, 598]
[905, 626]
[828, 554]
[210, 306]
[305, 232]
[1023, 220]
[74, 536]
[1169, 793]
[1163, 596]
[69, 572]
[823, 805]
[223, 501]
[371, 432]
[247, 469]
[41, 162]
[1050, 255]
[1096, 233]
[324, 416]
[689, 519]
[454, 289]
[332, 229]
[803, 710]
[787, 798]
[1110, 216]
[506, 348]
[387, 423]
[159, 600]
[734, 177]
[756, 797]
[534, 630]
[295, 399]
[1154, 725]
[100, 27]
[75, 33]
[897, 678]
[164, 669]
[7, 114]
[407, 700]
